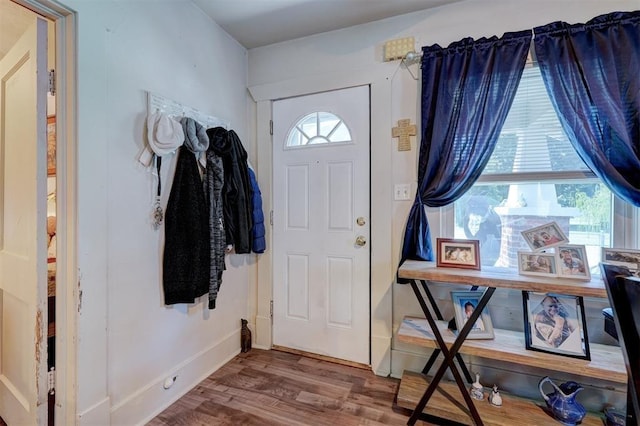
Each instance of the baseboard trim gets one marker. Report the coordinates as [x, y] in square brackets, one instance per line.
[381, 355]
[265, 348]
[263, 330]
[150, 400]
[97, 414]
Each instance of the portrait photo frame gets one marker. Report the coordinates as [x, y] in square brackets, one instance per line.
[537, 263]
[623, 257]
[464, 303]
[575, 264]
[542, 311]
[457, 253]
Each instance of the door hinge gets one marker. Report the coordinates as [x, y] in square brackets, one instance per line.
[271, 217]
[51, 381]
[271, 309]
[52, 82]
[271, 127]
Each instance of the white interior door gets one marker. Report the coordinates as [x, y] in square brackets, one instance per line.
[321, 224]
[23, 262]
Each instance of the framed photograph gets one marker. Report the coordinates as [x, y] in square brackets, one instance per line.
[464, 303]
[572, 262]
[540, 264]
[544, 236]
[51, 145]
[623, 257]
[458, 253]
[555, 323]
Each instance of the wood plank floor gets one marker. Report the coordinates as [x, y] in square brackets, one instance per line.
[278, 388]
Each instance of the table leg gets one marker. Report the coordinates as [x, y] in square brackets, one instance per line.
[449, 355]
[436, 352]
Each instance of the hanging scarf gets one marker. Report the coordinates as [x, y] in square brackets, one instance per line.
[195, 136]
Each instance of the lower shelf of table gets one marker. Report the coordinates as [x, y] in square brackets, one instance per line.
[447, 403]
[606, 361]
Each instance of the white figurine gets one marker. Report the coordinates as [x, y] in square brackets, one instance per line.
[495, 398]
[476, 389]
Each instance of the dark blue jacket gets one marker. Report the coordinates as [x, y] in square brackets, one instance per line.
[257, 232]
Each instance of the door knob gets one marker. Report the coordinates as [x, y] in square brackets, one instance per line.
[361, 240]
[361, 221]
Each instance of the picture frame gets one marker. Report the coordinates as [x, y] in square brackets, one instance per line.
[541, 313]
[51, 145]
[572, 262]
[537, 264]
[464, 303]
[544, 236]
[623, 257]
[456, 253]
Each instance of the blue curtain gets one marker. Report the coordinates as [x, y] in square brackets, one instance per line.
[592, 74]
[467, 90]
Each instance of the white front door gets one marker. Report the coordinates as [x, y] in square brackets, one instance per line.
[321, 224]
[23, 257]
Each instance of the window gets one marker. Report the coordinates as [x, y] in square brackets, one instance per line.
[318, 128]
[534, 176]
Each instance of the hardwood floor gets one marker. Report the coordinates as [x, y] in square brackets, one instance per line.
[278, 388]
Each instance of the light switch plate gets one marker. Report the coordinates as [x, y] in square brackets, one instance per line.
[402, 192]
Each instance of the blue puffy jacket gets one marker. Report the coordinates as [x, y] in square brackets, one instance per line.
[257, 232]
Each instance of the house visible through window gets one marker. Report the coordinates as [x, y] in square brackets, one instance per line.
[534, 177]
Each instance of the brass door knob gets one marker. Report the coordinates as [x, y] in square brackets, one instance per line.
[361, 221]
[361, 240]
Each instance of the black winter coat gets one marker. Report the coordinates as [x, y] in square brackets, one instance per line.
[186, 248]
[236, 192]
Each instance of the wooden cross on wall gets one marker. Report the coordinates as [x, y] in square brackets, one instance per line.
[403, 132]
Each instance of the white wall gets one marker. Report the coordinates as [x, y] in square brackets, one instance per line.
[329, 56]
[128, 341]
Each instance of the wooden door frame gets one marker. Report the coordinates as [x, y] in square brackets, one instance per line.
[382, 267]
[66, 203]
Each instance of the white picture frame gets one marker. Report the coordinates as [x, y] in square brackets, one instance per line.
[537, 264]
[622, 257]
[544, 236]
[572, 262]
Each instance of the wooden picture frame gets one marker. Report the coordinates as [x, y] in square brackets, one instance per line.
[537, 263]
[542, 311]
[572, 262]
[51, 145]
[455, 253]
[464, 303]
[623, 257]
[544, 236]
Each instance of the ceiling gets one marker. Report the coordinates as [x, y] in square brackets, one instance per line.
[255, 23]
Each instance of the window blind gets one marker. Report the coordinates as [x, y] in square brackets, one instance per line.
[532, 139]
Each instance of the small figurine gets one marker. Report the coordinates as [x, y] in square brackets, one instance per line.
[476, 389]
[245, 336]
[495, 398]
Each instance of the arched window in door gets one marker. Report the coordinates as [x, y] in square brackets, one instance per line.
[318, 128]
